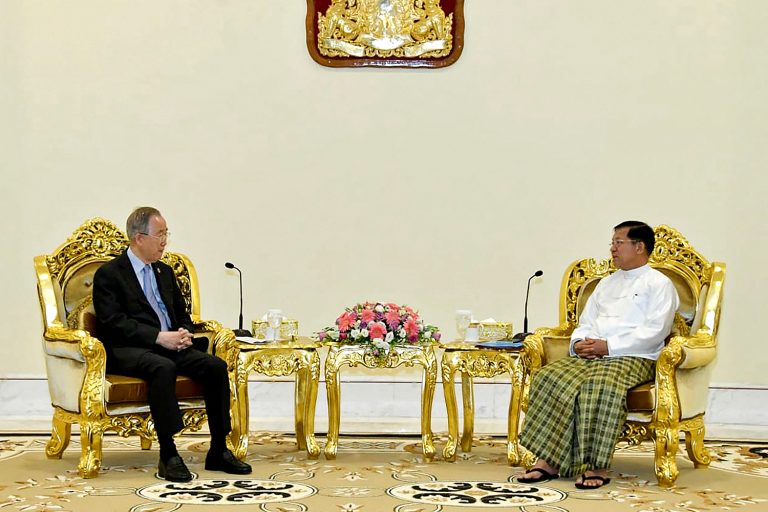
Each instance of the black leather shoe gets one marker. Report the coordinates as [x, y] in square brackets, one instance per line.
[226, 462]
[174, 470]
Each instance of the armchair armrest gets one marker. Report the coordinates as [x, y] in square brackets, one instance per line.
[547, 344]
[75, 344]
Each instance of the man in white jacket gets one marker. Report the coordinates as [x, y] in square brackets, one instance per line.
[577, 405]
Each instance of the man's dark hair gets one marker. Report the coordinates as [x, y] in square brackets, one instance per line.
[138, 220]
[639, 231]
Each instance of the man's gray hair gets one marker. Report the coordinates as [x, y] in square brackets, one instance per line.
[138, 220]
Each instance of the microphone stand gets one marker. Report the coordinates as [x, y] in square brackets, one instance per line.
[239, 331]
[522, 335]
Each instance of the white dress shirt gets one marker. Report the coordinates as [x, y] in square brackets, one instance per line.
[633, 310]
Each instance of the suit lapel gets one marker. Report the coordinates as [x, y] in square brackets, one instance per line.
[130, 277]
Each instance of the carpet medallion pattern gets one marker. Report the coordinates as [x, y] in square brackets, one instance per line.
[373, 474]
[476, 494]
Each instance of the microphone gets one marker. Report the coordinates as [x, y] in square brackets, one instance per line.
[239, 331]
[521, 335]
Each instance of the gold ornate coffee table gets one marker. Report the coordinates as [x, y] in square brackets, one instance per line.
[473, 361]
[354, 355]
[274, 359]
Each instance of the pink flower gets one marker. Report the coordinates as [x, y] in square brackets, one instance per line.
[436, 336]
[367, 315]
[321, 335]
[393, 319]
[411, 327]
[377, 330]
[346, 320]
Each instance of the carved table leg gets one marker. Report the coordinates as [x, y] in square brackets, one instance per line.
[300, 405]
[313, 377]
[513, 421]
[449, 391]
[468, 399]
[333, 391]
[240, 411]
[427, 398]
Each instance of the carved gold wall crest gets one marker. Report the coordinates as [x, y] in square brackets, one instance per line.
[408, 33]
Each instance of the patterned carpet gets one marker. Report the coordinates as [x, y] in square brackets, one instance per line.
[369, 475]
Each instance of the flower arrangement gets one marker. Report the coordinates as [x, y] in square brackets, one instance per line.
[380, 326]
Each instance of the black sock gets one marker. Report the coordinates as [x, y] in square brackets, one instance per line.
[167, 449]
[218, 446]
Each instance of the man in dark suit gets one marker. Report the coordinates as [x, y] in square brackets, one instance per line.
[147, 334]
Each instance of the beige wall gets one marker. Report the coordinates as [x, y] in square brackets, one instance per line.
[442, 189]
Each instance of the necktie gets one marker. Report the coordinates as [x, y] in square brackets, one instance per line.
[147, 270]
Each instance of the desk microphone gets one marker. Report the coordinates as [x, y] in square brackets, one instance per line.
[521, 335]
[239, 331]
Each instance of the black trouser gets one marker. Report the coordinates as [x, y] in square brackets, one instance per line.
[159, 367]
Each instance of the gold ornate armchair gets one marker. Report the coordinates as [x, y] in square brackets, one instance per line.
[677, 399]
[81, 390]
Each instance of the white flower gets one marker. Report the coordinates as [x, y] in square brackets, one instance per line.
[380, 344]
[389, 337]
[334, 335]
[354, 333]
[401, 333]
[379, 308]
[364, 333]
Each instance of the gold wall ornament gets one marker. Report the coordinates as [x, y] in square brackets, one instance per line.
[385, 33]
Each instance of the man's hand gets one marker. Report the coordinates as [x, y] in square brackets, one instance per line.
[591, 348]
[175, 340]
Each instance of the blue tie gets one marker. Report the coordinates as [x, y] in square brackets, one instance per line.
[147, 270]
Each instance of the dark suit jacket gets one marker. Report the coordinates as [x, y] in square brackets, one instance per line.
[125, 317]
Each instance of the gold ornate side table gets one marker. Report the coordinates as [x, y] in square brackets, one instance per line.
[354, 355]
[274, 359]
[473, 361]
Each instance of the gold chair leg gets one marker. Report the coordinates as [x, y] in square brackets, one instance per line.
[468, 399]
[146, 443]
[449, 392]
[666, 441]
[91, 433]
[60, 434]
[694, 444]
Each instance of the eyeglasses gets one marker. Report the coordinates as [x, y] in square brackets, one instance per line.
[162, 237]
[620, 241]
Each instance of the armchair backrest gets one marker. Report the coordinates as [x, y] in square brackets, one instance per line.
[65, 277]
[698, 283]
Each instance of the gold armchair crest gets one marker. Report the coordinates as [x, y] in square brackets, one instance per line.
[677, 399]
[81, 390]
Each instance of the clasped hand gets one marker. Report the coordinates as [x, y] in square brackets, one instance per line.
[175, 340]
[591, 348]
